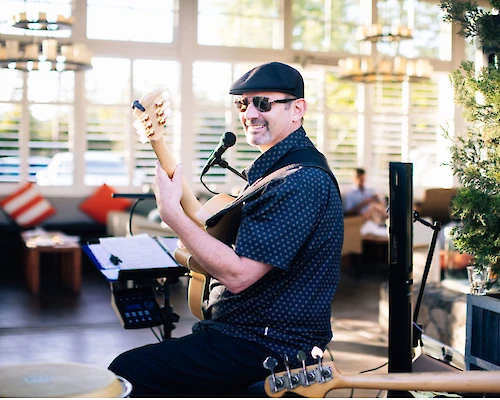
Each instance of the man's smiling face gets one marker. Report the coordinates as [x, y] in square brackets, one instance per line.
[265, 129]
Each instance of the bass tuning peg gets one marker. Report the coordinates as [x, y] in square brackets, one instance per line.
[270, 364]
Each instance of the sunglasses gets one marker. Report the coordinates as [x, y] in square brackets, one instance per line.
[263, 104]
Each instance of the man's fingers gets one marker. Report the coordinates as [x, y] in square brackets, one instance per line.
[178, 173]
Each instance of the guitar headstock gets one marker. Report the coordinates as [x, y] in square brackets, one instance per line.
[305, 380]
[151, 112]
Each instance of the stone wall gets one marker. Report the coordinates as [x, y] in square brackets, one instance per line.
[442, 313]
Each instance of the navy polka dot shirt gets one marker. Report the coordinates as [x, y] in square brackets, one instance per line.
[296, 225]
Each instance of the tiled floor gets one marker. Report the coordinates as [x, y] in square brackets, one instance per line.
[57, 326]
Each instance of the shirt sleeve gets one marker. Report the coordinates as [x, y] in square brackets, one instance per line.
[276, 225]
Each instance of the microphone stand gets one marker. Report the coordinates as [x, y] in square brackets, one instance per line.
[436, 227]
[139, 197]
[224, 164]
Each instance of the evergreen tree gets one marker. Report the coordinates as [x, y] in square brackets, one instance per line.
[475, 156]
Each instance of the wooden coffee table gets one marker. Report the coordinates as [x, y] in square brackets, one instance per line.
[68, 260]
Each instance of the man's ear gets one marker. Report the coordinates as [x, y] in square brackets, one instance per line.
[299, 109]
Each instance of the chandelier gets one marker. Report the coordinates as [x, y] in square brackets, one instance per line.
[47, 54]
[387, 65]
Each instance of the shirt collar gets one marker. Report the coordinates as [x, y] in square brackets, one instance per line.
[267, 159]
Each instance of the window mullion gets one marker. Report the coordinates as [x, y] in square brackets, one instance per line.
[24, 131]
[77, 136]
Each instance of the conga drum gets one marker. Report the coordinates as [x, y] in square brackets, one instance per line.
[60, 380]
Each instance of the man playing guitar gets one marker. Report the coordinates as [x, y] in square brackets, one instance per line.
[273, 277]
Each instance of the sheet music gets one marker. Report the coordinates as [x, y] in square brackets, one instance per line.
[169, 243]
[135, 252]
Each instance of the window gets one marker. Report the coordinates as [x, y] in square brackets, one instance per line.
[100, 167]
[343, 126]
[130, 20]
[241, 23]
[51, 87]
[50, 129]
[47, 113]
[320, 25]
[107, 88]
[388, 130]
[109, 116]
[431, 36]
[49, 126]
[10, 160]
[428, 116]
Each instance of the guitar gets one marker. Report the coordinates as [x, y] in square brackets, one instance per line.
[317, 380]
[151, 112]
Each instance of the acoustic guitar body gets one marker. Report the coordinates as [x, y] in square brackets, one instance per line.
[198, 289]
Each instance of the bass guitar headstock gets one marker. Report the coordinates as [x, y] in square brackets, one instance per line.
[299, 380]
[317, 380]
[151, 112]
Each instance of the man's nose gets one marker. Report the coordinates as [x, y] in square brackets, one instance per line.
[251, 111]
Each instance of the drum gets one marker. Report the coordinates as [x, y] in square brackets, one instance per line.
[61, 380]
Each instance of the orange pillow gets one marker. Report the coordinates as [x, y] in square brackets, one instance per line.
[100, 203]
[26, 206]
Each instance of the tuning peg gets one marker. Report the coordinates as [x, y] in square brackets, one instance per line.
[324, 373]
[293, 380]
[316, 352]
[138, 105]
[308, 376]
[301, 355]
[270, 364]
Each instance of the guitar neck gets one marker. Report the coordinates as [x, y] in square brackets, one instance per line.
[449, 381]
[190, 204]
[468, 381]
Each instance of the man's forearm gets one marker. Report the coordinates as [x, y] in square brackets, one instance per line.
[216, 258]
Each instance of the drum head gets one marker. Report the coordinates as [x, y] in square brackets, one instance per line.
[58, 380]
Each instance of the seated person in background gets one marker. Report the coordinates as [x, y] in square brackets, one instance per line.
[365, 202]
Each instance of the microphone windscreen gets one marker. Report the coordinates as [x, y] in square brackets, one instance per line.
[229, 139]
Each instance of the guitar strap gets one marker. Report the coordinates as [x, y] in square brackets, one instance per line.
[306, 157]
[294, 159]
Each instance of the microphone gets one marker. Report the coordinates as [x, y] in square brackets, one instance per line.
[227, 140]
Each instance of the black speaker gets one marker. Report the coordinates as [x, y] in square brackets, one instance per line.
[400, 269]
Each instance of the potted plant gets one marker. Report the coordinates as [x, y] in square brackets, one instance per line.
[475, 160]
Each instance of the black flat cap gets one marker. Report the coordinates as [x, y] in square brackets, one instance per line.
[270, 77]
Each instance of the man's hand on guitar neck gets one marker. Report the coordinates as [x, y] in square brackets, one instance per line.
[219, 260]
[168, 193]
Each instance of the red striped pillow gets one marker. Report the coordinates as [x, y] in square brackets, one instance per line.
[27, 207]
